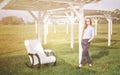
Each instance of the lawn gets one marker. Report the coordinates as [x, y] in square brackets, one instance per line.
[13, 55]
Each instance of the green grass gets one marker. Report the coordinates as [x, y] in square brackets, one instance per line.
[13, 55]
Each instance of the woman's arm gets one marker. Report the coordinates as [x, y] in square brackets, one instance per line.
[91, 39]
[93, 35]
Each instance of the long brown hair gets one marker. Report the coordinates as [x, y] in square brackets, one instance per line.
[89, 19]
[86, 25]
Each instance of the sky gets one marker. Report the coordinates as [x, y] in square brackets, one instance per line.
[102, 5]
[21, 14]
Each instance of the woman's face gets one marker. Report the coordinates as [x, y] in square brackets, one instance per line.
[88, 21]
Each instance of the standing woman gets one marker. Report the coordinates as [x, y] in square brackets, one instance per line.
[87, 36]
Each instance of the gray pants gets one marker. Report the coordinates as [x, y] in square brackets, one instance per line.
[85, 53]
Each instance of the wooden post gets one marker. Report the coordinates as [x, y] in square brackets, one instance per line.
[47, 24]
[80, 16]
[67, 27]
[54, 27]
[72, 30]
[108, 17]
[39, 26]
[36, 26]
[35, 18]
[111, 27]
[81, 25]
[45, 28]
[109, 32]
[96, 24]
[71, 19]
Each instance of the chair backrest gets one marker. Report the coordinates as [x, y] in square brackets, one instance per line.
[34, 46]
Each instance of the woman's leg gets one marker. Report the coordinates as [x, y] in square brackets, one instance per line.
[87, 55]
[88, 58]
[85, 50]
[83, 56]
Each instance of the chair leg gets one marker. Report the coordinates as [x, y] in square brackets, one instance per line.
[39, 65]
[30, 66]
[55, 63]
[46, 64]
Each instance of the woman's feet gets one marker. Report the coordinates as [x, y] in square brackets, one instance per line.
[90, 65]
[78, 67]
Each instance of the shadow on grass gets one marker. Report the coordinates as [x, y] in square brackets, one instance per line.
[114, 42]
[99, 43]
[14, 65]
[100, 54]
[10, 52]
[68, 68]
[103, 51]
[105, 33]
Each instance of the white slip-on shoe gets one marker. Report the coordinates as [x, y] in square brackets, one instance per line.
[90, 65]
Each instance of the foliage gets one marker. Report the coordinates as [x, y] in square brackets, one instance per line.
[12, 20]
[116, 13]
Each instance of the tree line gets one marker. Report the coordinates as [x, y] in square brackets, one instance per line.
[13, 20]
[116, 13]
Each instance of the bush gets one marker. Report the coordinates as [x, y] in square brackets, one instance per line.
[12, 20]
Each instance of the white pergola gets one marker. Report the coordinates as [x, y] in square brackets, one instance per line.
[69, 15]
[108, 17]
[43, 5]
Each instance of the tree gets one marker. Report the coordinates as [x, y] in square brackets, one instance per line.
[116, 13]
[12, 20]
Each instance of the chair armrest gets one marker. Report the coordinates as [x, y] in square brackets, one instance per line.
[49, 52]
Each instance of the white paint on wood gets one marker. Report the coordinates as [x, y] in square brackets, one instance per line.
[80, 15]
[4, 3]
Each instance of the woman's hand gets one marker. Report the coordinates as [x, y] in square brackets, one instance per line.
[91, 39]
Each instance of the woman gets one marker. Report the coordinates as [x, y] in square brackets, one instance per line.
[87, 37]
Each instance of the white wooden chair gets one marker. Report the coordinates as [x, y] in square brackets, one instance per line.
[37, 55]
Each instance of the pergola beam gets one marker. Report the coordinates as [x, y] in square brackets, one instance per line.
[36, 20]
[73, 1]
[96, 25]
[108, 17]
[67, 26]
[72, 20]
[39, 27]
[4, 3]
[32, 14]
[45, 27]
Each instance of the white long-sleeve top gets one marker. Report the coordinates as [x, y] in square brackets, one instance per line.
[89, 32]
